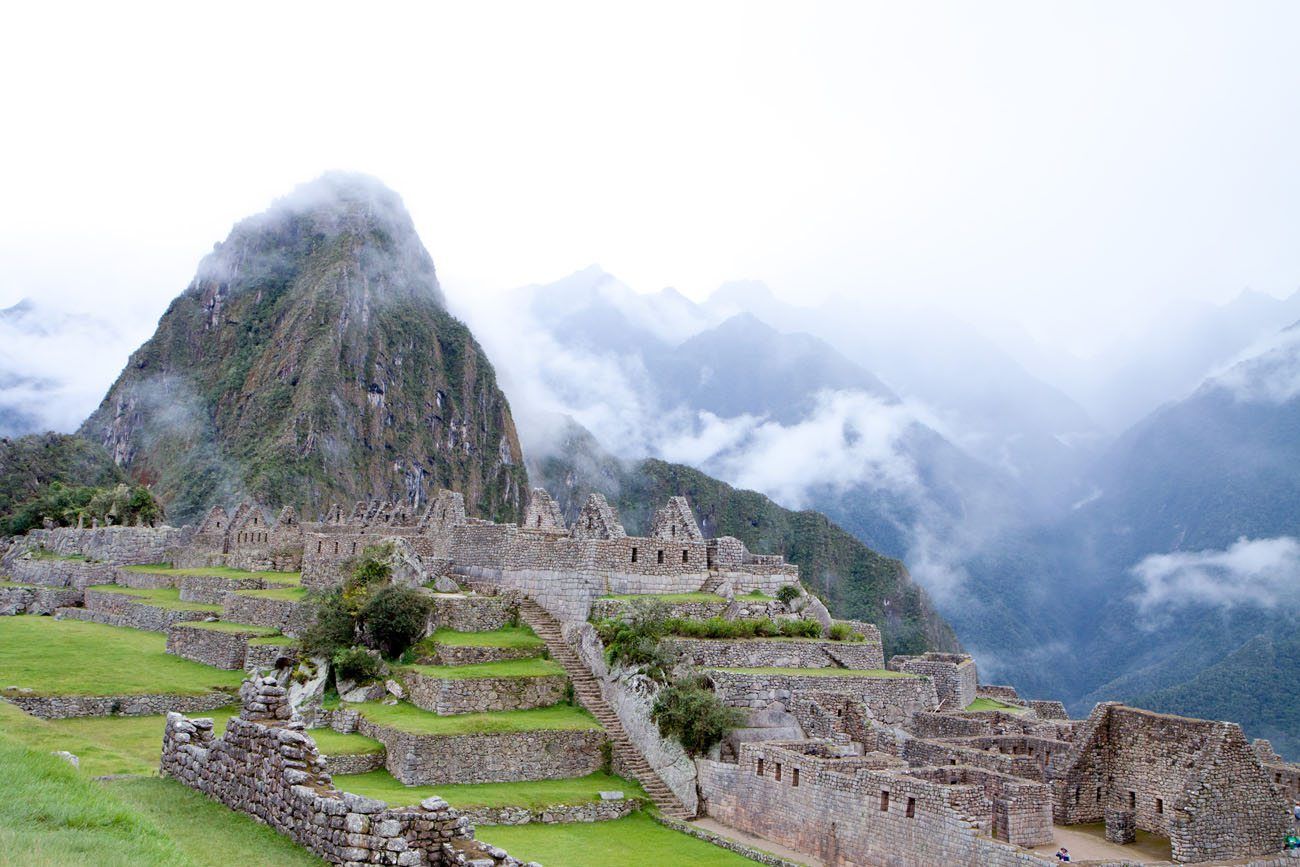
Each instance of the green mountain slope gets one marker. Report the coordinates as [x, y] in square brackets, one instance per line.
[312, 360]
[853, 580]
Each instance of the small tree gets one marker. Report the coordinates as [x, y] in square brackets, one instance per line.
[333, 628]
[357, 663]
[690, 712]
[788, 593]
[395, 618]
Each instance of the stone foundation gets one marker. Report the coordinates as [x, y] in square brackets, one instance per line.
[448, 696]
[775, 653]
[217, 648]
[600, 811]
[474, 613]
[431, 760]
[68, 706]
[122, 609]
[37, 600]
[448, 654]
[890, 700]
[282, 615]
[60, 573]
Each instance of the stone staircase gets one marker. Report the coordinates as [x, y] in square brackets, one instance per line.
[713, 583]
[587, 690]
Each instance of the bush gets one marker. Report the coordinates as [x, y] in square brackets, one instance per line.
[395, 618]
[333, 628]
[801, 628]
[633, 639]
[356, 663]
[844, 632]
[788, 593]
[690, 712]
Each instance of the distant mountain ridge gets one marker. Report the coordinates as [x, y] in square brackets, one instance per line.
[313, 360]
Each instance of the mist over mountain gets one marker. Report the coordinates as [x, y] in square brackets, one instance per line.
[312, 360]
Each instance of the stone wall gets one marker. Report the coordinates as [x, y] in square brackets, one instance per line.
[453, 654]
[846, 814]
[123, 609]
[283, 615]
[266, 765]
[361, 763]
[1048, 709]
[431, 760]
[66, 706]
[481, 694]
[599, 811]
[955, 676]
[57, 572]
[474, 613]
[1019, 755]
[890, 700]
[1197, 782]
[260, 657]
[115, 545]
[218, 648]
[775, 653]
[37, 600]
[603, 609]
[212, 589]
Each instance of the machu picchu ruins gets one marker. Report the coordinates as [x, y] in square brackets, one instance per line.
[841, 757]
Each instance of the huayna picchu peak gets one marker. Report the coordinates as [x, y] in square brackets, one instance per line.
[313, 359]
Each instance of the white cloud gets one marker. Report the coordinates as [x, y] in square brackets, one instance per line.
[1268, 372]
[1262, 572]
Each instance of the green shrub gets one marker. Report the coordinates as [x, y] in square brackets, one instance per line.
[333, 628]
[633, 639]
[356, 663]
[394, 618]
[844, 632]
[801, 628]
[692, 714]
[788, 593]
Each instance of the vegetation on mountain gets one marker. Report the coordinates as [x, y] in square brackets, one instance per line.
[692, 714]
[312, 361]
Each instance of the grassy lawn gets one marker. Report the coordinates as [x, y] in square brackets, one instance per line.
[288, 594]
[822, 672]
[669, 597]
[756, 595]
[225, 626]
[15, 584]
[277, 639]
[219, 572]
[159, 597]
[507, 636]
[638, 839]
[993, 704]
[408, 718]
[130, 744]
[532, 667]
[75, 657]
[534, 795]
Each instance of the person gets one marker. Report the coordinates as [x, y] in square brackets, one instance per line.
[1063, 854]
[1295, 811]
[1292, 841]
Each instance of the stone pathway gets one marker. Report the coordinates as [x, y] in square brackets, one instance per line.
[1089, 843]
[758, 842]
[588, 694]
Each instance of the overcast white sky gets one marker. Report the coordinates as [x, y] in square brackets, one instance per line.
[1071, 166]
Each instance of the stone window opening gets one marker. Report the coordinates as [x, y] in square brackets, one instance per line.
[778, 772]
[674, 531]
[1076, 794]
[318, 546]
[1160, 806]
[633, 555]
[884, 802]
[539, 520]
[760, 768]
[685, 557]
[354, 547]
[1099, 794]
[336, 547]
[591, 523]
[911, 808]
[661, 556]
[1132, 800]
[794, 777]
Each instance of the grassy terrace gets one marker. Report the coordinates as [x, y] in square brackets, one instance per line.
[513, 637]
[993, 704]
[277, 639]
[668, 597]
[225, 626]
[15, 584]
[75, 657]
[53, 815]
[408, 718]
[218, 572]
[534, 795]
[158, 597]
[287, 594]
[532, 667]
[130, 744]
[824, 672]
[638, 839]
[42, 554]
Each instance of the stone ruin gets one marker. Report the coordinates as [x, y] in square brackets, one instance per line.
[267, 765]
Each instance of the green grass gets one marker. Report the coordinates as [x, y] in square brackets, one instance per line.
[288, 594]
[533, 795]
[15, 584]
[226, 626]
[637, 839]
[669, 597]
[218, 572]
[513, 637]
[822, 672]
[278, 640]
[408, 718]
[531, 667]
[75, 657]
[158, 597]
[131, 744]
[993, 704]
[756, 595]
[42, 554]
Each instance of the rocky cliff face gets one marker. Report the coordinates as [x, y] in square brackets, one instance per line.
[312, 360]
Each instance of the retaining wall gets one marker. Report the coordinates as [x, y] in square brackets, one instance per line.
[481, 694]
[890, 700]
[37, 600]
[775, 653]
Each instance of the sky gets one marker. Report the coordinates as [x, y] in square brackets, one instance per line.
[1074, 168]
